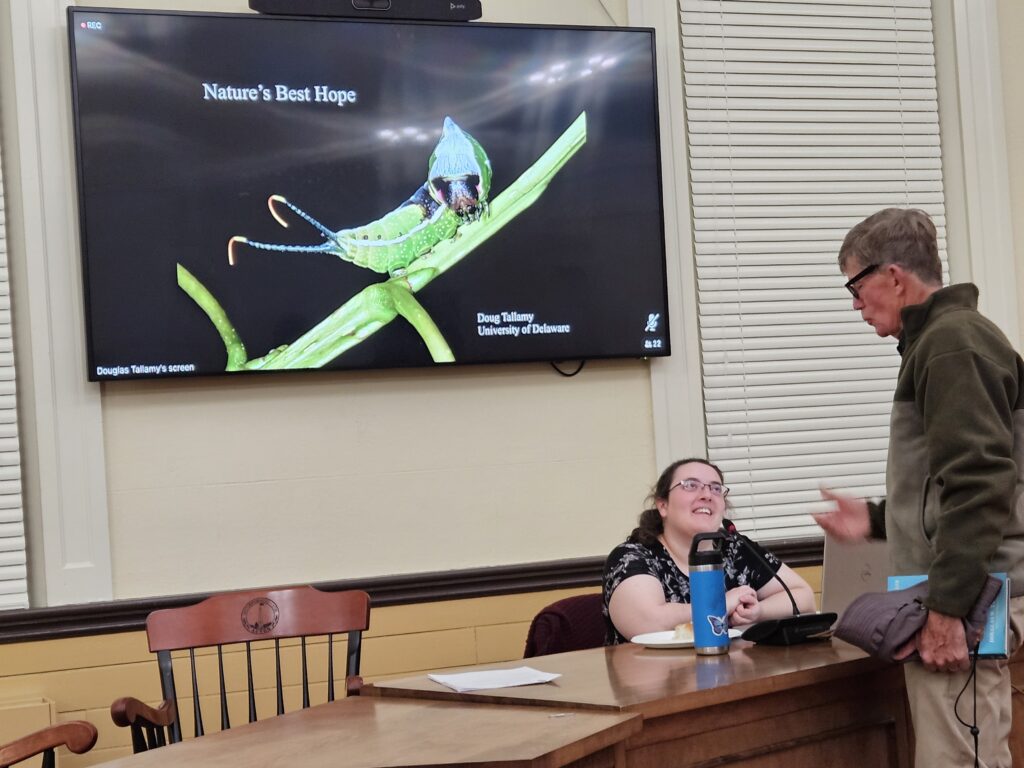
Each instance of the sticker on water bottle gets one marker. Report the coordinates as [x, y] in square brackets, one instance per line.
[719, 626]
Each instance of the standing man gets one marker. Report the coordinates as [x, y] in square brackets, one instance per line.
[954, 479]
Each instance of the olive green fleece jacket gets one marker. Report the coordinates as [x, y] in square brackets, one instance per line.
[954, 506]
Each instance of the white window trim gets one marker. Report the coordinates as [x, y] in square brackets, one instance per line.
[13, 567]
[64, 480]
[676, 391]
[986, 179]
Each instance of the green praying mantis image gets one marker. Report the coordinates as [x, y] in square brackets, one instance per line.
[443, 221]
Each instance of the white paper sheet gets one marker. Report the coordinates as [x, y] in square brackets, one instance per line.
[493, 678]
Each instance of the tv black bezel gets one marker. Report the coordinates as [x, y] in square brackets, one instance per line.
[73, 11]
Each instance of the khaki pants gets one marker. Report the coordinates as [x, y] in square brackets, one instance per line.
[941, 740]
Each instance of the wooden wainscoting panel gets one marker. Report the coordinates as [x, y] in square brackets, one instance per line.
[418, 651]
[20, 717]
[91, 651]
[92, 688]
[501, 642]
[455, 614]
[101, 753]
[812, 575]
[108, 734]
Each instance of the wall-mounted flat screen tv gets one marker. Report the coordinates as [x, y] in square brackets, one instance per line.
[265, 193]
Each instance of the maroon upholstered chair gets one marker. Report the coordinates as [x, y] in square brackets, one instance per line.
[77, 735]
[570, 624]
[242, 618]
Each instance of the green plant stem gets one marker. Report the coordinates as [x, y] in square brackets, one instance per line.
[232, 341]
[421, 320]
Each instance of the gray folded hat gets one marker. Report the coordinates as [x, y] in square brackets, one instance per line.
[883, 622]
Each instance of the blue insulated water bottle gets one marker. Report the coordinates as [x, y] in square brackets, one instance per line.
[707, 595]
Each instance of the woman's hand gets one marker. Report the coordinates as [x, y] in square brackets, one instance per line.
[746, 613]
[741, 605]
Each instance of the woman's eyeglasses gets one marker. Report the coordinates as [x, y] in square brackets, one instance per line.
[851, 284]
[692, 485]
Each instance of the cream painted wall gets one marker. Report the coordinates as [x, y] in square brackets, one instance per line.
[1011, 23]
[222, 483]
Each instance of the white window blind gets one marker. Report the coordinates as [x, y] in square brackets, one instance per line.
[802, 118]
[13, 575]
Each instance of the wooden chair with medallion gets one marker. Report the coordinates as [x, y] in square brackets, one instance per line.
[77, 735]
[247, 621]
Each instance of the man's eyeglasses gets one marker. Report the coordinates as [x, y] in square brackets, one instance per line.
[692, 485]
[851, 284]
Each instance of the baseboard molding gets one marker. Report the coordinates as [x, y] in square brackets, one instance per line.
[130, 615]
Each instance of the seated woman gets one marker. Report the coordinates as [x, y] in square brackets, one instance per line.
[646, 579]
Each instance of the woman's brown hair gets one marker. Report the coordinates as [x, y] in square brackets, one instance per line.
[650, 525]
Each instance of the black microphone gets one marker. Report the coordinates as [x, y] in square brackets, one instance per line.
[790, 630]
[733, 535]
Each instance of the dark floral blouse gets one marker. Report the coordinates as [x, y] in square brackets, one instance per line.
[630, 559]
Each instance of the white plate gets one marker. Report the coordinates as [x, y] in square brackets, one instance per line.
[667, 639]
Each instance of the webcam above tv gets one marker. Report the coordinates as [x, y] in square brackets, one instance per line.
[261, 193]
[422, 10]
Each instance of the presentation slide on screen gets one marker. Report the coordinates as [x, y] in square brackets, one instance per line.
[264, 193]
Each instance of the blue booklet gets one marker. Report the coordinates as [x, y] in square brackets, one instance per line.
[996, 640]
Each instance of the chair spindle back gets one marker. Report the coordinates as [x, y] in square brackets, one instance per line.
[246, 617]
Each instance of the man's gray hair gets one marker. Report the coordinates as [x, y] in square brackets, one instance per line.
[903, 236]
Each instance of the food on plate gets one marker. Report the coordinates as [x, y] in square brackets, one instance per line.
[684, 632]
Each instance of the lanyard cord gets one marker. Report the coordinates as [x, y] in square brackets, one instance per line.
[973, 676]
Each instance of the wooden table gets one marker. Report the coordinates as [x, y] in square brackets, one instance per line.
[758, 707]
[366, 732]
